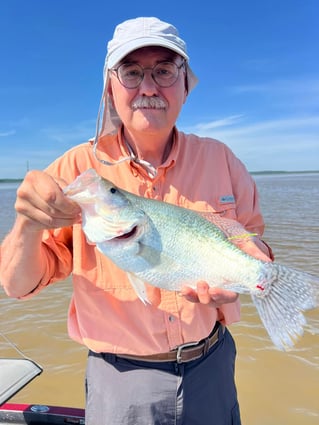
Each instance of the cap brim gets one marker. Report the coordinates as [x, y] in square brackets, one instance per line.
[130, 46]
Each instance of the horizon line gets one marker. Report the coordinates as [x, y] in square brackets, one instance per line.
[262, 172]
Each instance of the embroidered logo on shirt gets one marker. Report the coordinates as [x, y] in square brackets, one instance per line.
[227, 199]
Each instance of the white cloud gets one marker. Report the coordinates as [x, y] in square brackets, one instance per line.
[223, 122]
[299, 94]
[7, 133]
[37, 151]
[283, 124]
[290, 143]
[281, 86]
[72, 134]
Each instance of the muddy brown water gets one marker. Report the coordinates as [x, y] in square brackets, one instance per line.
[275, 388]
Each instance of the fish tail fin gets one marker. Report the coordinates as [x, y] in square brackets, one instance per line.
[281, 301]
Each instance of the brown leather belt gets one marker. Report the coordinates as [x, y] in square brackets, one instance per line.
[183, 353]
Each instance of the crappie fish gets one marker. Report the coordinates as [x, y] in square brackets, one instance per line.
[169, 246]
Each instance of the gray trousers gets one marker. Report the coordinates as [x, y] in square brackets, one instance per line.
[127, 392]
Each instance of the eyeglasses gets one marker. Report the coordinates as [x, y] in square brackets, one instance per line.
[131, 75]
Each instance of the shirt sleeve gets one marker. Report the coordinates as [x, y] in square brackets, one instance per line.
[58, 259]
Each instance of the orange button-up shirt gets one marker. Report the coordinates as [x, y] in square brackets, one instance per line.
[105, 313]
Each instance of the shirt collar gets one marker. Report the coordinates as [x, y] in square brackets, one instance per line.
[137, 166]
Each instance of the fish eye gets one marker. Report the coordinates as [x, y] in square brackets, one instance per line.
[113, 190]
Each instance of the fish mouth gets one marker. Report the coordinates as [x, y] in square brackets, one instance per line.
[131, 233]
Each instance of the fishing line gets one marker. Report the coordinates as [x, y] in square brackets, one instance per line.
[14, 346]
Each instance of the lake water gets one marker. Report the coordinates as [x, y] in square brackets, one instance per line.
[275, 388]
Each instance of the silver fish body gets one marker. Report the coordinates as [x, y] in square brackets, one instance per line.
[168, 246]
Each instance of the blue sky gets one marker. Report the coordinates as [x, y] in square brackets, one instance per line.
[257, 63]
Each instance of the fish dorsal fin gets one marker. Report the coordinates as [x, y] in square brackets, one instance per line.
[233, 230]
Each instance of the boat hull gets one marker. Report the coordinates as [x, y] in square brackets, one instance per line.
[25, 414]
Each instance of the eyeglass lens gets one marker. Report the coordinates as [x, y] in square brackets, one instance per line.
[164, 74]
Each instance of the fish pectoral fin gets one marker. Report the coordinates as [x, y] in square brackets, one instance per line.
[156, 258]
[139, 287]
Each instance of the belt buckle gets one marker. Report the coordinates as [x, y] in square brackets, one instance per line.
[181, 347]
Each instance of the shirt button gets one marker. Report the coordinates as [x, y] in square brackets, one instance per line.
[171, 318]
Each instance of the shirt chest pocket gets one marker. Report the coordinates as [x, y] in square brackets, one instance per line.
[223, 206]
[97, 269]
[109, 276]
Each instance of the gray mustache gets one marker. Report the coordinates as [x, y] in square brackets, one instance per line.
[148, 102]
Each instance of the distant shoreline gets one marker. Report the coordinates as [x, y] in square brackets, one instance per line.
[267, 172]
[254, 173]
[11, 180]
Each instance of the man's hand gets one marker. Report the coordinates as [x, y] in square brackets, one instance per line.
[216, 297]
[41, 204]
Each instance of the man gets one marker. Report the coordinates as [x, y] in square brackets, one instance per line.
[171, 362]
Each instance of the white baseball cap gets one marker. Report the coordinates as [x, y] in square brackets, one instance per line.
[131, 35]
[141, 32]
